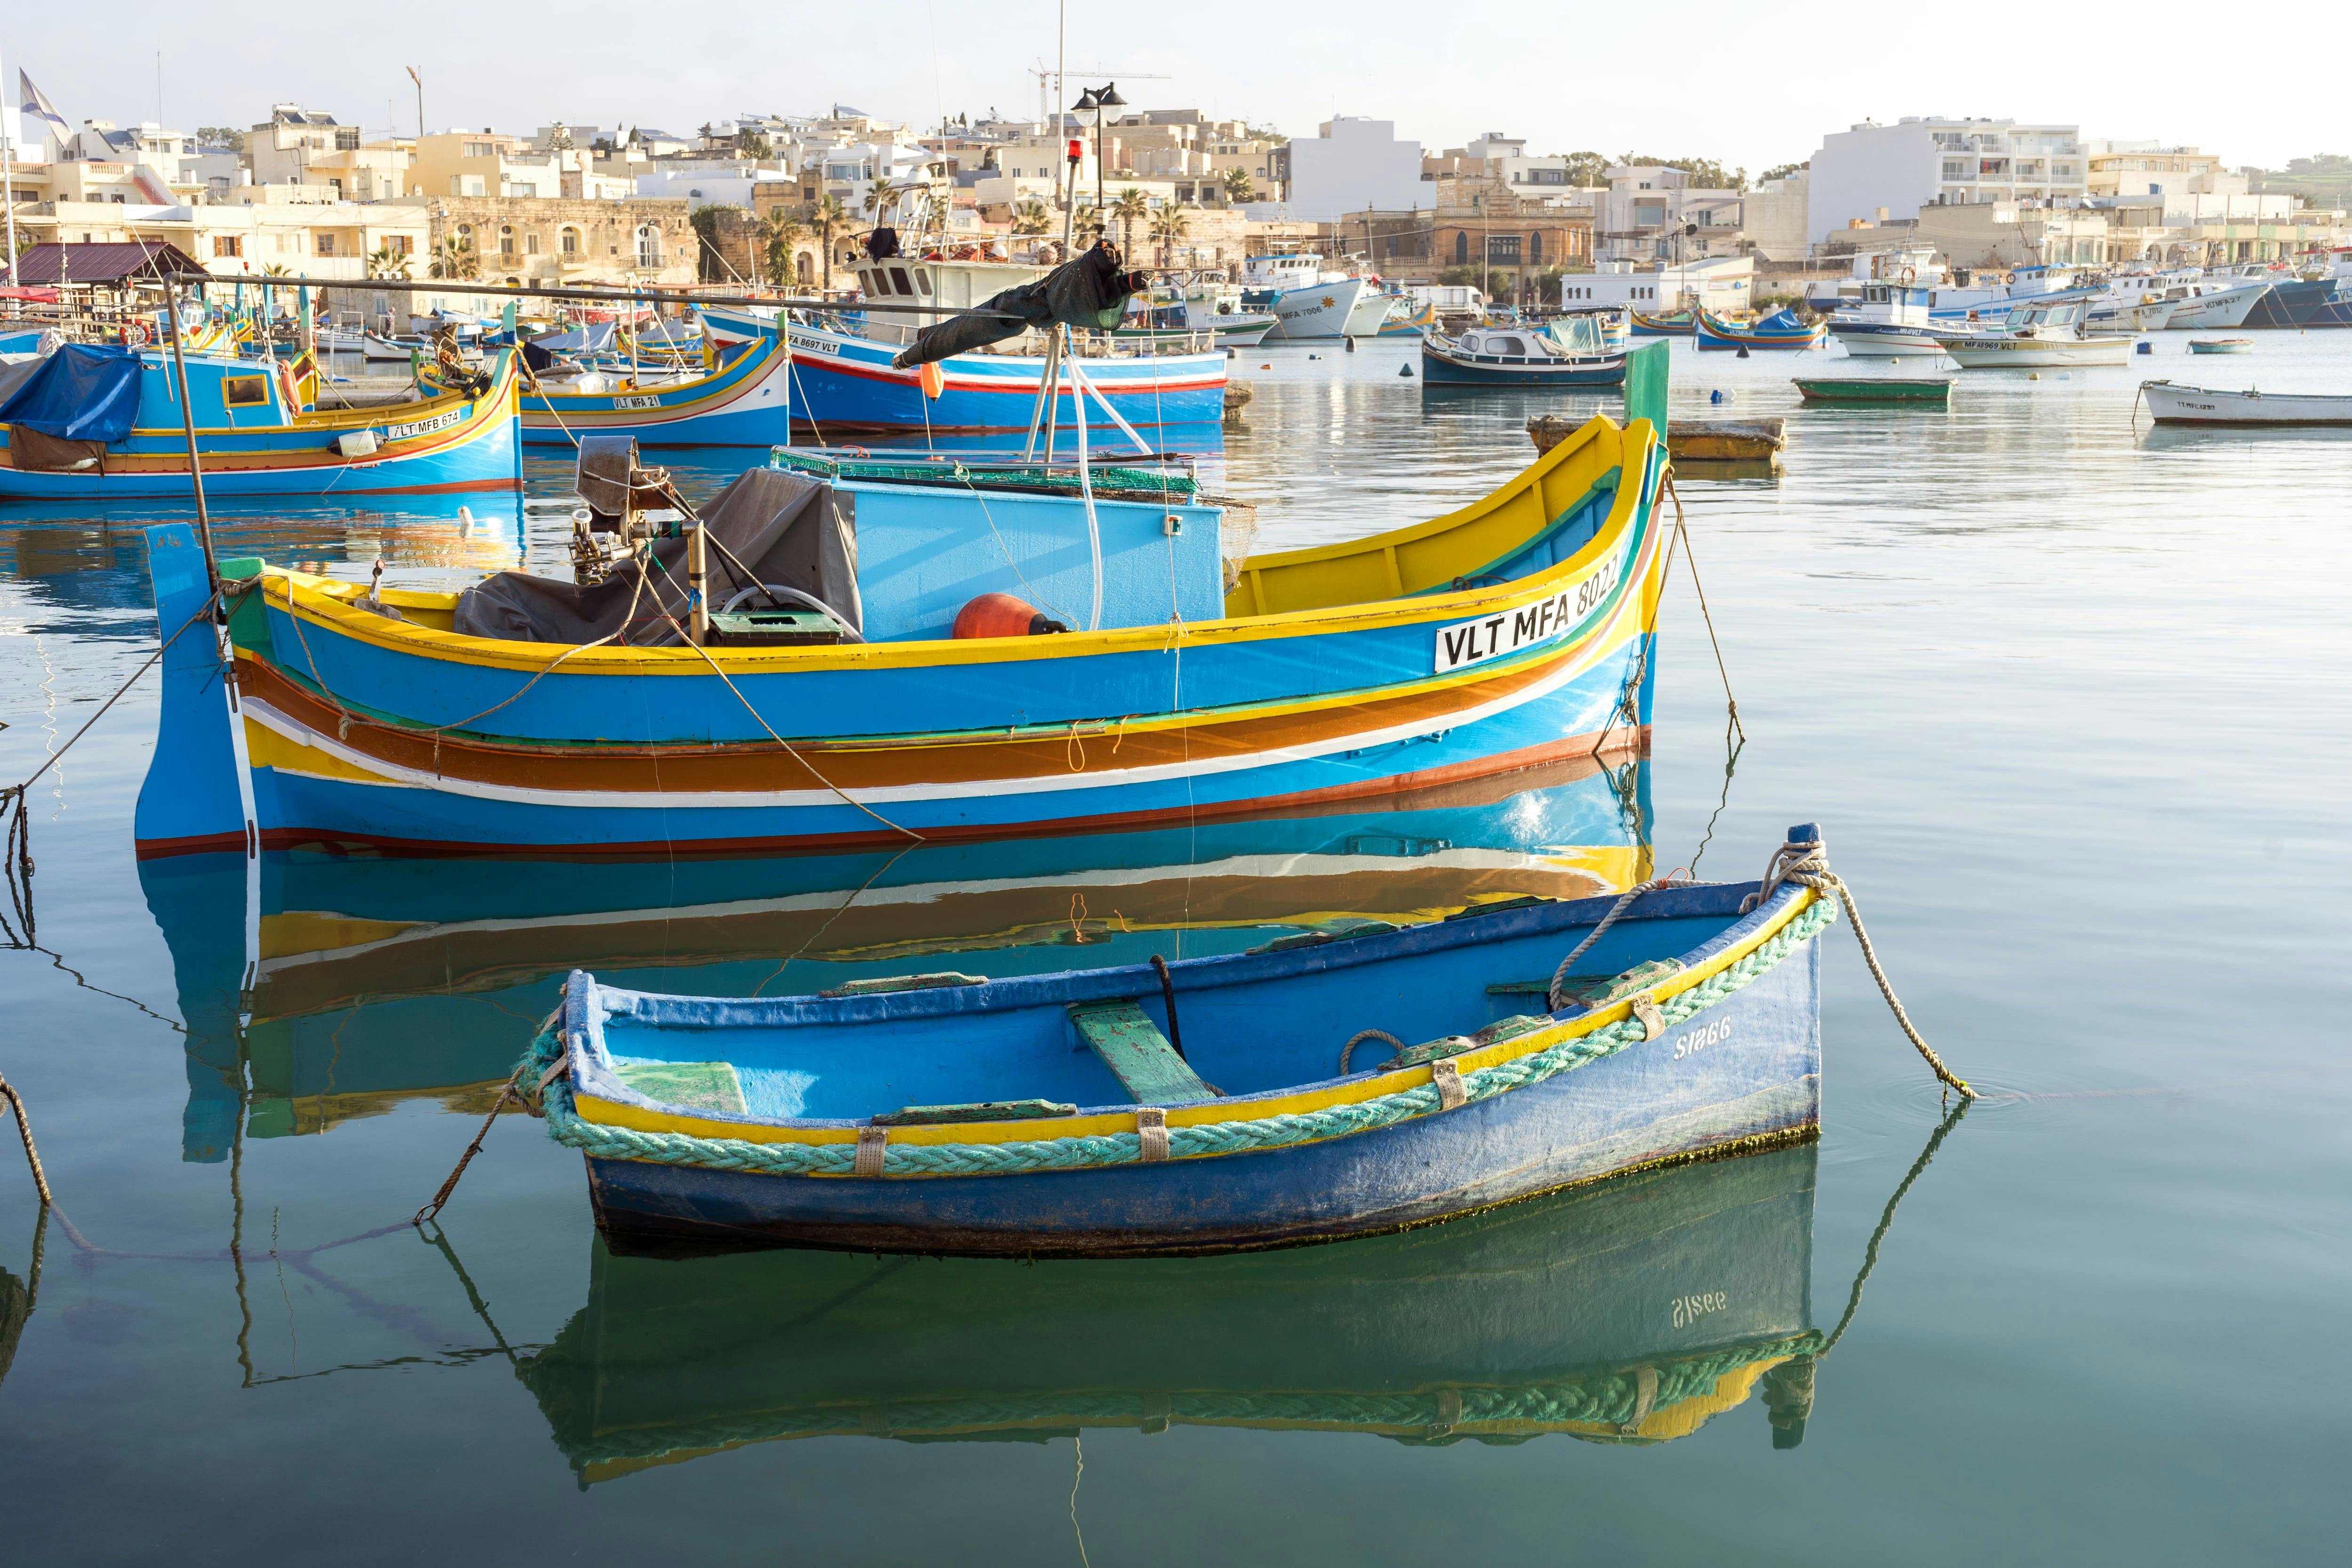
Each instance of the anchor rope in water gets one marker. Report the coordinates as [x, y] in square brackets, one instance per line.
[1808, 866]
[606, 1140]
[25, 1131]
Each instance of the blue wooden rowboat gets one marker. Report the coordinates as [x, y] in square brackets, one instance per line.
[106, 423]
[1633, 1313]
[1514, 631]
[744, 401]
[844, 383]
[1780, 330]
[1213, 1104]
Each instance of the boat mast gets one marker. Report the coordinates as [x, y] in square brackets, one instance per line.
[8, 134]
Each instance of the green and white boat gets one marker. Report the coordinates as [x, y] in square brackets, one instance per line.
[1875, 389]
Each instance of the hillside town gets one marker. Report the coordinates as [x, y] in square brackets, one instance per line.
[788, 200]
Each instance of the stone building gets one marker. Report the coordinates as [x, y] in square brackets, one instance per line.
[559, 242]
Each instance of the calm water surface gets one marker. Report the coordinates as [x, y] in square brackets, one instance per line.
[2066, 695]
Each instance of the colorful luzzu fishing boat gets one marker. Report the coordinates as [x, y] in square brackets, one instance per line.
[97, 423]
[1673, 324]
[844, 383]
[1308, 1089]
[1780, 330]
[743, 402]
[1514, 630]
[1634, 1313]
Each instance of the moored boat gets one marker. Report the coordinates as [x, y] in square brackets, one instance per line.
[2173, 404]
[1887, 320]
[2035, 337]
[1673, 324]
[1875, 389]
[1780, 330]
[1568, 352]
[2212, 303]
[528, 713]
[1218, 1103]
[744, 401]
[2219, 345]
[97, 422]
[1309, 300]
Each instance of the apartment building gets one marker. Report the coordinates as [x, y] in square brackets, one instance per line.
[1876, 172]
[1651, 214]
[281, 147]
[1351, 164]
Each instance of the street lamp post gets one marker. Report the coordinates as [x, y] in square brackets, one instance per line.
[1098, 98]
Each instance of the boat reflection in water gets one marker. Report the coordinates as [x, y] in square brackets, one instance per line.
[1632, 1312]
[368, 981]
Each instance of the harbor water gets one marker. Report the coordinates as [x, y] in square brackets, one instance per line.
[2064, 692]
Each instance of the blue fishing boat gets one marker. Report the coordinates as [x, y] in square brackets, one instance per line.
[844, 383]
[743, 402]
[1570, 352]
[95, 423]
[1781, 330]
[1672, 324]
[920, 684]
[1634, 1313]
[1312, 1089]
[2293, 303]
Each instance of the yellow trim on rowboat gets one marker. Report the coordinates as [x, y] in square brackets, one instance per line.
[613, 1113]
[266, 748]
[340, 418]
[308, 598]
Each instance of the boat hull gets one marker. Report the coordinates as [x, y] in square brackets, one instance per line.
[2220, 308]
[465, 445]
[1717, 334]
[2296, 304]
[1740, 1074]
[1318, 310]
[1874, 339]
[2035, 354]
[1875, 389]
[745, 403]
[1442, 365]
[847, 384]
[2175, 405]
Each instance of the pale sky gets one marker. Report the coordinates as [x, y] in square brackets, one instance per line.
[1671, 77]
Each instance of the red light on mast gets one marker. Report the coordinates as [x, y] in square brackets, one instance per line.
[1078, 150]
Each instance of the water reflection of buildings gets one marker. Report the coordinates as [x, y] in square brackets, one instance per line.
[371, 981]
[1635, 1312]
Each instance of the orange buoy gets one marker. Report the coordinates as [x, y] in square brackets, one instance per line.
[1003, 615]
[935, 381]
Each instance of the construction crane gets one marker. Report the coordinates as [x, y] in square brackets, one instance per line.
[1046, 73]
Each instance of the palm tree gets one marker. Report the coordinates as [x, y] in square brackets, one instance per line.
[880, 197]
[1032, 218]
[456, 260]
[828, 213]
[1238, 189]
[1086, 217]
[779, 235]
[1130, 208]
[1169, 226]
[383, 262]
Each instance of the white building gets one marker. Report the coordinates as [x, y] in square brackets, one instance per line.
[1723, 284]
[1876, 172]
[1353, 165]
[1653, 214]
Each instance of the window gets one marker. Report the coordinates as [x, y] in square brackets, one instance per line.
[246, 391]
[400, 244]
[804, 268]
[568, 242]
[1534, 248]
[506, 239]
[326, 245]
[649, 247]
[530, 244]
[1461, 248]
[227, 245]
[1504, 345]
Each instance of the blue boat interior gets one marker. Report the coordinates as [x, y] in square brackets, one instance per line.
[1272, 1020]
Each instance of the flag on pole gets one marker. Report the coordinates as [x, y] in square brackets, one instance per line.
[32, 101]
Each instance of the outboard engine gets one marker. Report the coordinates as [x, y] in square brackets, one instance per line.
[626, 504]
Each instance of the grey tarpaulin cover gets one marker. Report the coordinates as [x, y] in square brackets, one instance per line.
[791, 531]
[1089, 291]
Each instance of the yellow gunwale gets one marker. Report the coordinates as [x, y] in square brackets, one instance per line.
[324, 602]
[349, 419]
[613, 1113]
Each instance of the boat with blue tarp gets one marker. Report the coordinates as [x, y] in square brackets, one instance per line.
[1783, 329]
[1310, 1088]
[96, 421]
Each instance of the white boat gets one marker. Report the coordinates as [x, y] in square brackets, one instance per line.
[1888, 319]
[2135, 302]
[2035, 337]
[2215, 302]
[1309, 300]
[1212, 307]
[2173, 404]
[374, 348]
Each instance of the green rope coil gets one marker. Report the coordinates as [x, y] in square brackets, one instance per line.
[603, 1141]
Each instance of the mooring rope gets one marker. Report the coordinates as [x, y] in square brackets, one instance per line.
[1808, 866]
[1553, 997]
[1682, 531]
[25, 1131]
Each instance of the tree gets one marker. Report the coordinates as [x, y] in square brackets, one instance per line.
[1705, 173]
[227, 136]
[1781, 172]
[1238, 189]
[383, 262]
[755, 145]
[880, 197]
[1169, 227]
[1587, 169]
[456, 260]
[1083, 219]
[828, 213]
[559, 138]
[780, 236]
[1032, 218]
[1132, 207]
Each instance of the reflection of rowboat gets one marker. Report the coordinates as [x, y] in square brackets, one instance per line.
[1209, 1104]
[1634, 1313]
[378, 980]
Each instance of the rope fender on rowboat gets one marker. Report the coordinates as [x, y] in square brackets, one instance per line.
[1449, 1089]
